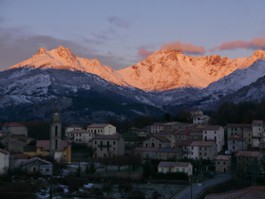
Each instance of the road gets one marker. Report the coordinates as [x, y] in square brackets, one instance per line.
[197, 188]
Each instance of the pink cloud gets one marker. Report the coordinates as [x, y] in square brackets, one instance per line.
[256, 43]
[184, 47]
[143, 53]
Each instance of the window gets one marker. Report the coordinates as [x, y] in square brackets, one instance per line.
[114, 142]
[56, 144]
[95, 142]
[56, 130]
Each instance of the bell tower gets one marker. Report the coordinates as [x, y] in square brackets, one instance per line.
[55, 133]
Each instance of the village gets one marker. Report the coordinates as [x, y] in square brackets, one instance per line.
[158, 161]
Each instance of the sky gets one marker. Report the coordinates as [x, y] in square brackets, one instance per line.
[120, 33]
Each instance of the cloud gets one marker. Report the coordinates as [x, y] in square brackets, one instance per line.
[119, 22]
[256, 43]
[184, 47]
[18, 45]
[143, 53]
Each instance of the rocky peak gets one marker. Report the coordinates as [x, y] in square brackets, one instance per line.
[64, 52]
[259, 53]
[41, 51]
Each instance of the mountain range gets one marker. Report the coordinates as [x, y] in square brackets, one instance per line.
[87, 90]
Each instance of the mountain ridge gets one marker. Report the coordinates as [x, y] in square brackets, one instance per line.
[163, 70]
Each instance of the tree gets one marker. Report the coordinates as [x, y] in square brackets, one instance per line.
[148, 170]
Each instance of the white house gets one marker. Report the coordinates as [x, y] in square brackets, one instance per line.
[157, 127]
[216, 134]
[102, 129]
[15, 129]
[68, 131]
[199, 118]
[37, 165]
[107, 146]
[173, 167]
[202, 150]
[257, 130]
[4, 161]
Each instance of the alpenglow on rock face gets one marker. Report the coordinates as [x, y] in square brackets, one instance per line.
[63, 58]
[163, 70]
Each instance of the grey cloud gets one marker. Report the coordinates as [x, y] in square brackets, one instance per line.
[119, 22]
[17, 45]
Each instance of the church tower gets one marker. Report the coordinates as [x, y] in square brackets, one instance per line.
[55, 134]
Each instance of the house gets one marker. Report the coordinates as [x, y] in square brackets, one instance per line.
[15, 129]
[257, 130]
[37, 166]
[68, 131]
[4, 161]
[195, 133]
[156, 127]
[242, 132]
[81, 136]
[107, 146]
[216, 134]
[248, 160]
[199, 118]
[223, 163]
[202, 150]
[157, 141]
[236, 143]
[174, 167]
[102, 129]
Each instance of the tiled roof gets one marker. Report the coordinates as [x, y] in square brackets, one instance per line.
[78, 131]
[97, 125]
[13, 124]
[4, 151]
[202, 143]
[166, 164]
[115, 136]
[211, 127]
[36, 159]
[45, 144]
[223, 157]
[160, 138]
[257, 122]
[249, 153]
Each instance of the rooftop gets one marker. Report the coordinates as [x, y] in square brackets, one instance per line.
[98, 125]
[249, 153]
[223, 157]
[202, 143]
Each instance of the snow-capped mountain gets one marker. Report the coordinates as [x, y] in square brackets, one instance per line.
[63, 58]
[86, 90]
[168, 69]
[238, 79]
[163, 70]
